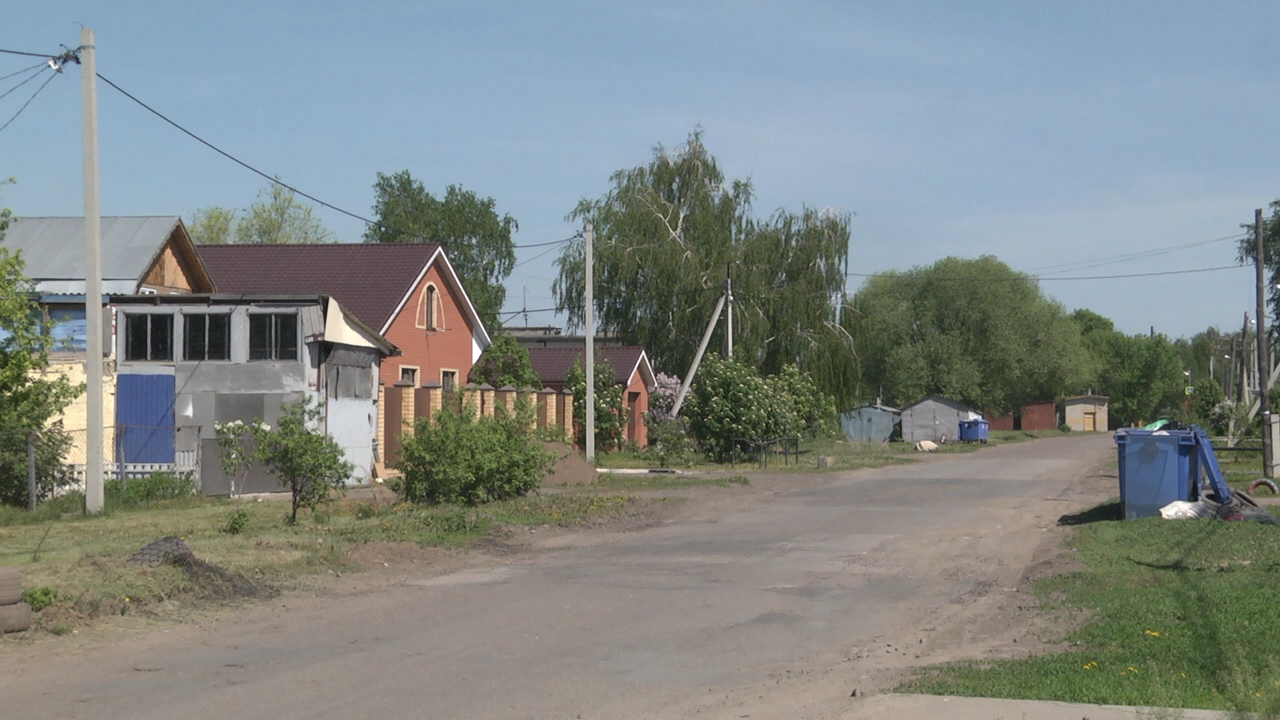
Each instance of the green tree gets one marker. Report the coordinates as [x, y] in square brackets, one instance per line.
[477, 239]
[29, 399]
[972, 330]
[212, 225]
[1248, 250]
[1141, 374]
[505, 362]
[611, 419]
[667, 234]
[276, 217]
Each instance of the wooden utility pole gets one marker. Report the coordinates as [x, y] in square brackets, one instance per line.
[590, 363]
[93, 498]
[1264, 363]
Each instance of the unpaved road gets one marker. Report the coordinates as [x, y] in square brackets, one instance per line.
[774, 601]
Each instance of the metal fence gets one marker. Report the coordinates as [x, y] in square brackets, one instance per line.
[53, 460]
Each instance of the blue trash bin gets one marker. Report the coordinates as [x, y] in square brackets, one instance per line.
[1156, 468]
[974, 430]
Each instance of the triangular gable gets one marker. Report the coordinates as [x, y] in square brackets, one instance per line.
[645, 369]
[345, 328]
[177, 250]
[478, 330]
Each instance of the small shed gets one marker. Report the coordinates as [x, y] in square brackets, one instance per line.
[1039, 416]
[869, 423]
[1086, 413]
[934, 418]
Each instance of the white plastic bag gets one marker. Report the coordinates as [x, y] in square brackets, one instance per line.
[1183, 510]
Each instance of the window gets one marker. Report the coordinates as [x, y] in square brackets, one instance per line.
[410, 375]
[449, 380]
[429, 316]
[273, 336]
[148, 337]
[206, 337]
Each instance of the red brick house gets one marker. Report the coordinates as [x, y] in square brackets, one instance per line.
[630, 368]
[407, 292]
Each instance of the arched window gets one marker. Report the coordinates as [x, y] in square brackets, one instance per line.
[429, 316]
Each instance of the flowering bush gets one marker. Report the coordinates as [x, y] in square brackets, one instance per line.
[730, 400]
[611, 419]
[308, 462]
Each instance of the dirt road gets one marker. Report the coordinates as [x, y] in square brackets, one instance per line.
[775, 601]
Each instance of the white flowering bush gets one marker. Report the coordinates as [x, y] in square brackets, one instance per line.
[730, 400]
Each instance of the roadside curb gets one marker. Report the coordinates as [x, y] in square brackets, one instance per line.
[928, 707]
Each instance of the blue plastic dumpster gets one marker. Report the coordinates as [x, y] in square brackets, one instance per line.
[1156, 468]
[974, 430]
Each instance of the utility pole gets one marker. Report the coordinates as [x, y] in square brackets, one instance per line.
[93, 279]
[729, 316]
[590, 418]
[697, 358]
[1264, 362]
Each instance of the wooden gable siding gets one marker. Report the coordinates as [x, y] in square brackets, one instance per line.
[174, 270]
[448, 347]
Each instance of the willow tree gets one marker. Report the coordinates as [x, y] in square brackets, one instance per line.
[667, 235]
[973, 330]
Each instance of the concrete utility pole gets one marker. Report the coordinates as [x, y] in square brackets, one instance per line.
[729, 316]
[93, 279]
[1264, 363]
[697, 358]
[590, 418]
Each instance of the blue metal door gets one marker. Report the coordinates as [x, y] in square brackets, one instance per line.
[144, 418]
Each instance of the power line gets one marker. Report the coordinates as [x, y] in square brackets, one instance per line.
[19, 72]
[277, 181]
[28, 102]
[34, 75]
[513, 313]
[1128, 257]
[28, 54]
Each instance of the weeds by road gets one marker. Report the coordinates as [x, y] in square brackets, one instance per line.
[660, 481]
[1179, 614]
[81, 559]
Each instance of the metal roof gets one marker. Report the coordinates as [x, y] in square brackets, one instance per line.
[53, 247]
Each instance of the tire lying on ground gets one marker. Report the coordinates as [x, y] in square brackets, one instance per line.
[15, 618]
[10, 586]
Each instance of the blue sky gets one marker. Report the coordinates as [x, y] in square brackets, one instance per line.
[1044, 133]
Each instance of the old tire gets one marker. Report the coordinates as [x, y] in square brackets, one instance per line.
[15, 618]
[1263, 483]
[10, 586]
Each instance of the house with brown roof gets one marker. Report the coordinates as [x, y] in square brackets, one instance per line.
[631, 369]
[408, 293]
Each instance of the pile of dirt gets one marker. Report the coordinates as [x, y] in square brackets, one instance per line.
[570, 468]
[209, 580]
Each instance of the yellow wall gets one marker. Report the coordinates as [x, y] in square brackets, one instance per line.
[75, 417]
[1075, 414]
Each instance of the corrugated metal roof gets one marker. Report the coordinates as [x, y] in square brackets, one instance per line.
[553, 364]
[53, 247]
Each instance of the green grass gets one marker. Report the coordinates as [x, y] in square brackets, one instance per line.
[82, 558]
[661, 481]
[1177, 614]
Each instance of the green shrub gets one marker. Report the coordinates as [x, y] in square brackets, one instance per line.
[143, 491]
[668, 443]
[456, 457]
[52, 473]
[237, 521]
[39, 598]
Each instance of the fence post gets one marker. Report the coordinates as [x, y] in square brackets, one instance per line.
[31, 469]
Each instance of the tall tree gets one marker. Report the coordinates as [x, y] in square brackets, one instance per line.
[1141, 374]
[276, 217]
[667, 234]
[972, 330]
[28, 398]
[476, 238]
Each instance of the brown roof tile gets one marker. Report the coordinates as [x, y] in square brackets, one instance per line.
[369, 279]
[553, 364]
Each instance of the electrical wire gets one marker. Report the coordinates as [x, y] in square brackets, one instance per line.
[1128, 257]
[34, 75]
[28, 54]
[37, 66]
[28, 102]
[286, 186]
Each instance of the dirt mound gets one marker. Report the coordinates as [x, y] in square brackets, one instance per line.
[158, 552]
[375, 554]
[209, 580]
[570, 468]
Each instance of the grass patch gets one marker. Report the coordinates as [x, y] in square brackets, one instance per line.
[1180, 614]
[661, 481]
[80, 567]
